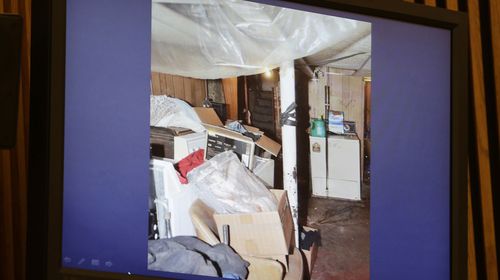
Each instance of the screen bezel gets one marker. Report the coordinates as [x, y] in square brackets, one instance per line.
[47, 128]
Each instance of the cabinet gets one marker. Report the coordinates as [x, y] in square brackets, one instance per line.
[344, 173]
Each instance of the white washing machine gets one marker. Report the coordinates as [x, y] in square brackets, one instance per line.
[344, 170]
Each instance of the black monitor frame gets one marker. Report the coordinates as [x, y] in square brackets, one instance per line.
[47, 128]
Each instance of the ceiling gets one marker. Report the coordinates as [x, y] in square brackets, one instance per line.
[210, 39]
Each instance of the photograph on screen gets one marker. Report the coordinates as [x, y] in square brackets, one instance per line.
[259, 142]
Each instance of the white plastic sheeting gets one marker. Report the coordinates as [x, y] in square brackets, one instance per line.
[166, 111]
[228, 187]
[211, 39]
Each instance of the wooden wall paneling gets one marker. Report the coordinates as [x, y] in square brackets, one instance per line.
[482, 148]
[25, 11]
[317, 95]
[368, 95]
[356, 86]
[19, 157]
[7, 228]
[346, 98]
[430, 3]
[204, 88]
[230, 88]
[452, 5]
[347, 94]
[336, 94]
[188, 90]
[471, 249]
[367, 125]
[155, 83]
[19, 161]
[495, 39]
[178, 86]
[14, 6]
[13, 163]
[168, 85]
[200, 92]
[161, 84]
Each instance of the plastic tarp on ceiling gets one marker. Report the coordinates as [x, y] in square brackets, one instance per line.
[211, 39]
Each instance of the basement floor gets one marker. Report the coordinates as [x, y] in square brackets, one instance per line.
[344, 227]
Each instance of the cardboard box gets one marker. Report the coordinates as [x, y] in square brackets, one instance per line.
[312, 253]
[261, 234]
[220, 139]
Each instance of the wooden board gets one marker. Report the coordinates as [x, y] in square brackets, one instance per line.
[14, 162]
[482, 148]
[188, 89]
[495, 39]
[230, 88]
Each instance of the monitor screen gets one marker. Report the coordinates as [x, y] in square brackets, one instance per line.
[312, 119]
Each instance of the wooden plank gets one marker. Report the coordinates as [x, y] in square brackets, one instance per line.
[155, 83]
[430, 3]
[168, 85]
[178, 86]
[162, 85]
[14, 6]
[154, 89]
[452, 5]
[471, 248]
[230, 88]
[13, 163]
[6, 241]
[25, 11]
[21, 190]
[199, 93]
[336, 91]
[203, 91]
[188, 90]
[481, 135]
[495, 39]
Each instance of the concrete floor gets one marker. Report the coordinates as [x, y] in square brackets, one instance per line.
[345, 237]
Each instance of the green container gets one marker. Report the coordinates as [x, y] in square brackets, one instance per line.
[318, 128]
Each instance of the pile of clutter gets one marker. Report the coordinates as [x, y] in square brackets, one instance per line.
[210, 189]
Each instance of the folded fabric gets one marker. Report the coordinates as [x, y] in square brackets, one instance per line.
[236, 126]
[187, 254]
[189, 163]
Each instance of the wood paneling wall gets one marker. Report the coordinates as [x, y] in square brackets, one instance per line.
[230, 88]
[188, 89]
[347, 94]
[13, 164]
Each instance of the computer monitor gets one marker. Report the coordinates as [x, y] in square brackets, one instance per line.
[96, 170]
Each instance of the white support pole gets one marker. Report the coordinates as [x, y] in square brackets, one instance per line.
[289, 145]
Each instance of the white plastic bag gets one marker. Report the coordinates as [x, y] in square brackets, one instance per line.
[227, 186]
[166, 111]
